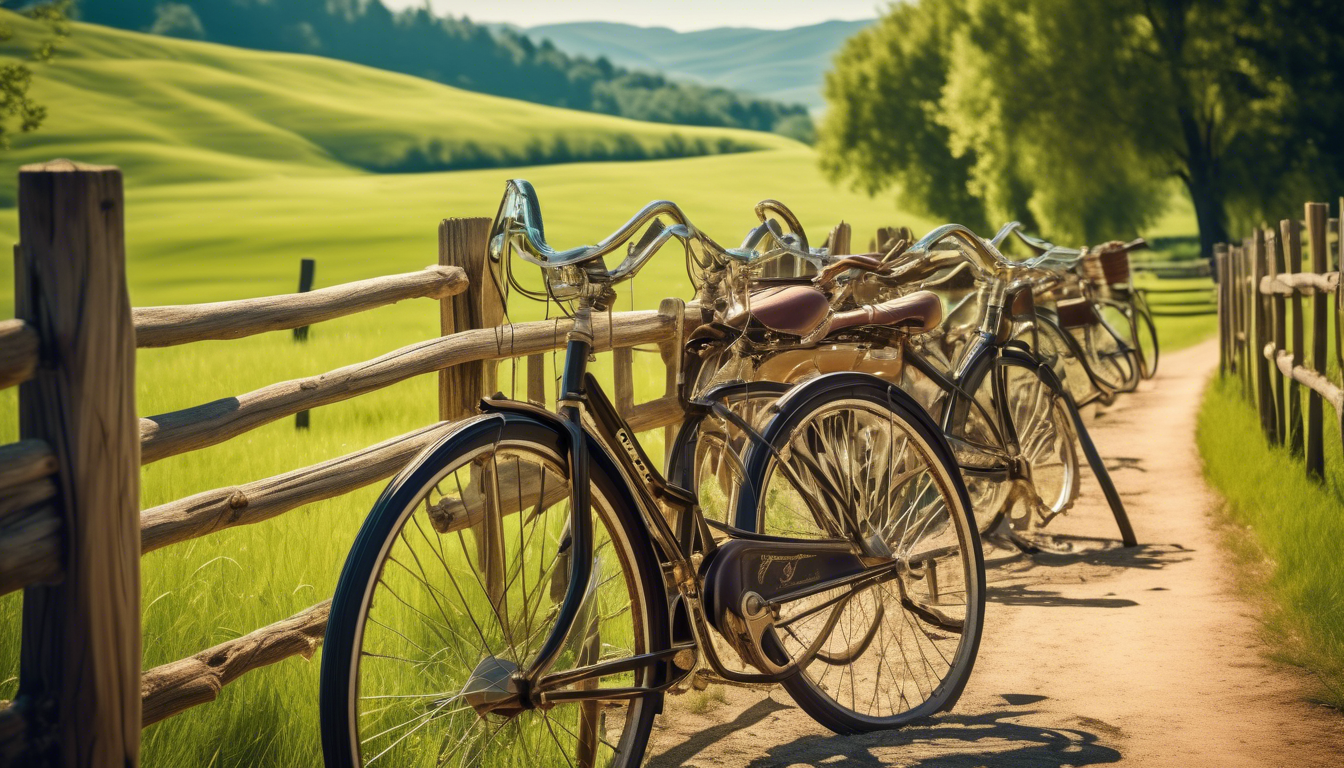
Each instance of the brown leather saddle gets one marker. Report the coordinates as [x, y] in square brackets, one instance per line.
[799, 310]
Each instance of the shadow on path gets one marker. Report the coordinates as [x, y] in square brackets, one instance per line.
[955, 741]
[1021, 594]
[679, 754]
[1064, 551]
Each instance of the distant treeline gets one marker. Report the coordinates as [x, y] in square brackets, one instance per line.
[438, 155]
[452, 51]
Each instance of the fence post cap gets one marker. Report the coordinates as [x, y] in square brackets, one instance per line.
[61, 165]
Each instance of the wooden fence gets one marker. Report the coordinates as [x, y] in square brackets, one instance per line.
[71, 529]
[1268, 340]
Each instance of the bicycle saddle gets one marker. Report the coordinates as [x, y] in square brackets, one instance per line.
[799, 310]
[793, 309]
[915, 312]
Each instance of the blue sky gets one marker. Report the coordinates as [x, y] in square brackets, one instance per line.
[678, 14]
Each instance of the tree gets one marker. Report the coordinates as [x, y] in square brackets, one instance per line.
[1077, 116]
[881, 129]
[16, 104]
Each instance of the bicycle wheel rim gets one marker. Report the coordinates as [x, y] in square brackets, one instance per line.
[1045, 437]
[862, 693]
[452, 734]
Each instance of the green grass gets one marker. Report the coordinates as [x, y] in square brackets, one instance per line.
[238, 164]
[1292, 549]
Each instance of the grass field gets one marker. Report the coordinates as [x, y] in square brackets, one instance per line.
[1287, 532]
[238, 164]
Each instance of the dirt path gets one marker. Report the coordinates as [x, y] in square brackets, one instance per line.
[1143, 657]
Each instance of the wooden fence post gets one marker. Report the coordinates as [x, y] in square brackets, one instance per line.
[623, 375]
[1248, 295]
[672, 353]
[1263, 384]
[1234, 294]
[1224, 308]
[463, 243]
[1292, 246]
[1317, 213]
[839, 239]
[1274, 245]
[80, 660]
[1339, 294]
[306, 269]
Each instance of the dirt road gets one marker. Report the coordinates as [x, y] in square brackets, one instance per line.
[1142, 657]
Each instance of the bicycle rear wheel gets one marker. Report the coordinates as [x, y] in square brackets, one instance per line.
[880, 473]
[454, 584]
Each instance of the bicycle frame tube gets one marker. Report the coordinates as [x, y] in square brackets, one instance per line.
[579, 344]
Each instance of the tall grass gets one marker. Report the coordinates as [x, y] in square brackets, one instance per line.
[1294, 550]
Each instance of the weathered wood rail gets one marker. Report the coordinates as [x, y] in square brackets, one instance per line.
[1267, 339]
[71, 530]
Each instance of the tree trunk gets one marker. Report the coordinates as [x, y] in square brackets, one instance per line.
[1210, 216]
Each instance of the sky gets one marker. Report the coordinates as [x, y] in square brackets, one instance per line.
[681, 15]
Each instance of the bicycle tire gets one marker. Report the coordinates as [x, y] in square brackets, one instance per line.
[402, 502]
[885, 401]
[1045, 437]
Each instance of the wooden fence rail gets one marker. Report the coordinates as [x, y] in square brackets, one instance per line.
[169, 326]
[71, 532]
[1265, 328]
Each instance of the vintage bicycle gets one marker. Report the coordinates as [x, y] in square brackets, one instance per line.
[1093, 321]
[530, 588]
[1013, 426]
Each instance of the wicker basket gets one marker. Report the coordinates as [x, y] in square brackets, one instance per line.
[1077, 314]
[1092, 270]
[1115, 266]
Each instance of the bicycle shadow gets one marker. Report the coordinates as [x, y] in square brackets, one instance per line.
[679, 754]
[1022, 594]
[1062, 551]
[952, 741]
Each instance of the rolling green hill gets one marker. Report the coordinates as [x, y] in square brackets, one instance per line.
[455, 51]
[174, 110]
[787, 65]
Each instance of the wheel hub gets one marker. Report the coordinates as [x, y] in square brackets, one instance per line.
[493, 688]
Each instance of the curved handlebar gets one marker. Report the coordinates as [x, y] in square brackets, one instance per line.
[518, 224]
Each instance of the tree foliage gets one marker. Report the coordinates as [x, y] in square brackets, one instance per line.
[18, 109]
[1076, 117]
[452, 51]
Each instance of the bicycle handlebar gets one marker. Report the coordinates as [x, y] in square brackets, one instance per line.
[518, 225]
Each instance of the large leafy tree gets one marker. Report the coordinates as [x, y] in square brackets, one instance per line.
[1076, 117]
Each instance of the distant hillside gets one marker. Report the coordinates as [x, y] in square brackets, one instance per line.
[170, 110]
[787, 65]
[451, 51]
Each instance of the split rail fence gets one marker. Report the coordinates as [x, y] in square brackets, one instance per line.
[1276, 346]
[71, 528]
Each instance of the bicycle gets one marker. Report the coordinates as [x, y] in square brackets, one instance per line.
[573, 586]
[1092, 334]
[1011, 423]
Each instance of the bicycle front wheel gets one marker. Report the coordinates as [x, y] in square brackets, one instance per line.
[452, 587]
[1109, 354]
[1039, 419]
[872, 466]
